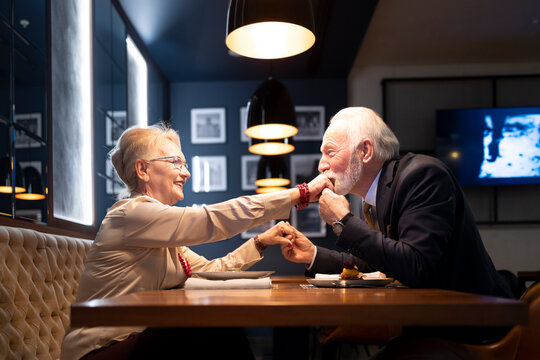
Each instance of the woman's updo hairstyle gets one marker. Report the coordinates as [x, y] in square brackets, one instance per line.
[139, 143]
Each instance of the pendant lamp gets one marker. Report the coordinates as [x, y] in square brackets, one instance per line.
[272, 171]
[270, 29]
[271, 147]
[270, 112]
[33, 185]
[269, 189]
[6, 179]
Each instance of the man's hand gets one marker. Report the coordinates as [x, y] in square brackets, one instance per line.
[332, 207]
[302, 250]
[317, 185]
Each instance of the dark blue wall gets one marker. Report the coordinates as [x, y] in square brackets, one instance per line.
[331, 93]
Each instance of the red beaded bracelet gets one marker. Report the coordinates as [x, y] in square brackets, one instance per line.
[304, 196]
[185, 265]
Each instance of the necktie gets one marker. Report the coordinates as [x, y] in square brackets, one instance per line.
[366, 209]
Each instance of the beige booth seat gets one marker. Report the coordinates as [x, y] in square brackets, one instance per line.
[39, 276]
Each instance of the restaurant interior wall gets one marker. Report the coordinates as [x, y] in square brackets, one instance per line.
[511, 246]
[23, 97]
[330, 93]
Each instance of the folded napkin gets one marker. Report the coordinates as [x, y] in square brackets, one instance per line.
[262, 283]
[371, 275]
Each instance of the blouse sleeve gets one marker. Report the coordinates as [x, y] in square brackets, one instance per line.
[148, 223]
[242, 258]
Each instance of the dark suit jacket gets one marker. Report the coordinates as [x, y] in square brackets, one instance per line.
[428, 237]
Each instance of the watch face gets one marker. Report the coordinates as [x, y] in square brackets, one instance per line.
[337, 227]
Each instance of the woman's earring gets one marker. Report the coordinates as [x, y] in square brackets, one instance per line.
[145, 190]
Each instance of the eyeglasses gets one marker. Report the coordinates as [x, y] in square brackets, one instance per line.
[176, 161]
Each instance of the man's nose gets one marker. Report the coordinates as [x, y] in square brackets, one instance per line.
[323, 165]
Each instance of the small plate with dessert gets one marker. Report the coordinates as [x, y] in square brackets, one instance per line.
[351, 277]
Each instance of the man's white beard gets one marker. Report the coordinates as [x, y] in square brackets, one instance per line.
[345, 182]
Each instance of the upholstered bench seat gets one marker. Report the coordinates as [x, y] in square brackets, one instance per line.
[39, 277]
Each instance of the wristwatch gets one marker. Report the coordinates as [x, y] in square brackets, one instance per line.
[339, 225]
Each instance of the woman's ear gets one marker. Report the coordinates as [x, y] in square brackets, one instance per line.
[141, 168]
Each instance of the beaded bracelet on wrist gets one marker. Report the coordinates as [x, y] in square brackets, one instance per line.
[304, 196]
[258, 244]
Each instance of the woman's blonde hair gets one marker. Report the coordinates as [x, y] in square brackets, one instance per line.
[139, 143]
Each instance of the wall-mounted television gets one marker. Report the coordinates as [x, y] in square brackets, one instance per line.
[491, 146]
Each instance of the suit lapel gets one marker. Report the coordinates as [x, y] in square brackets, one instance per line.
[388, 174]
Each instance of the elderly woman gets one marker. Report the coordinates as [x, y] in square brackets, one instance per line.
[142, 245]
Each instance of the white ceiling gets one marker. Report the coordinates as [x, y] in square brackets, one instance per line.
[427, 32]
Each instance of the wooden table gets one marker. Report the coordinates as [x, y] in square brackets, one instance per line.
[288, 304]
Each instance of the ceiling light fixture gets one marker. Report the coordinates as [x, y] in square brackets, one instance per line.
[272, 171]
[270, 29]
[33, 185]
[6, 184]
[270, 112]
[271, 147]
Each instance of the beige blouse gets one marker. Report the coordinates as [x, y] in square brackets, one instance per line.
[137, 247]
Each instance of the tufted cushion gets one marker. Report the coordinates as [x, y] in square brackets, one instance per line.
[39, 276]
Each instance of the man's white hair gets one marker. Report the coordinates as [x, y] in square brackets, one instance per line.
[361, 123]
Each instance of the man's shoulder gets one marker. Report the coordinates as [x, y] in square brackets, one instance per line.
[412, 159]
[419, 166]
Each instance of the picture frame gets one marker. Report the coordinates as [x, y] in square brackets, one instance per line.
[33, 214]
[257, 230]
[208, 126]
[32, 123]
[249, 171]
[308, 221]
[114, 185]
[209, 173]
[311, 123]
[35, 164]
[243, 124]
[115, 124]
[304, 168]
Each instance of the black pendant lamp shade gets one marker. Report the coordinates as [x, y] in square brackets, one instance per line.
[271, 147]
[270, 29]
[6, 179]
[270, 112]
[272, 171]
[33, 184]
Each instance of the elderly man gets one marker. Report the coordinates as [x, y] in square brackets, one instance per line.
[417, 226]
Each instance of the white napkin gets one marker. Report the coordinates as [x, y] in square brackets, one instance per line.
[195, 283]
[371, 275]
[327, 276]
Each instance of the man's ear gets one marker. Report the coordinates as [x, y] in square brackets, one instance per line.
[365, 150]
[141, 168]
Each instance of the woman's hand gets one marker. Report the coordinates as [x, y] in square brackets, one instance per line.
[317, 185]
[281, 233]
[301, 251]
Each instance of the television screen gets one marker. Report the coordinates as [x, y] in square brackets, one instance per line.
[494, 146]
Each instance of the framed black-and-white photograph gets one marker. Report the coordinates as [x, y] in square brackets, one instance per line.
[197, 206]
[115, 124]
[35, 164]
[114, 185]
[32, 123]
[304, 168]
[243, 124]
[311, 122]
[308, 221]
[249, 171]
[208, 126]
[34, 214]
[209, 173]
[257, 230]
